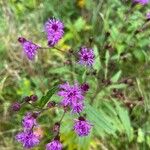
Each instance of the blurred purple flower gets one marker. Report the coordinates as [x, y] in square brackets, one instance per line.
[148, 16]
[28, 139]
[142, 2]
[82, 127]
[30, 49]
[29, 121]
[71, 94]
[55, 30]
[54, 145]
[86, 56]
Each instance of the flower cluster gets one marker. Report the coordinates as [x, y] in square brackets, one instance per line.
[72, 95]
[27, 137]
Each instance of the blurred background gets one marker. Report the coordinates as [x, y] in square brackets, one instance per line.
[121, 38]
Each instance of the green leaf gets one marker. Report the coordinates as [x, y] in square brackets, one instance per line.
[101, 124]
[116, 77]
[125, 120]
[79, 24]
[47, 96]
[97, 65]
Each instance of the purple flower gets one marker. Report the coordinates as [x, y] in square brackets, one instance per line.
[142, 2]
[86, 56]
[82, 127]
[55, 30]
[28, 139]
[54, 145]
[30, 49]
[29, 121]
[71, 94]
[148, 16]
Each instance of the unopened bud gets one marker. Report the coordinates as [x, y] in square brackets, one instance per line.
[16, 106]
[33, 98]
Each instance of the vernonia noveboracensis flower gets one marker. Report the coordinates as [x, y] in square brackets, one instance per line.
[82, 127]
[72, 96]
[30, 49]
[54, 29]
[86, 56]
[70, 93]
[28, 139]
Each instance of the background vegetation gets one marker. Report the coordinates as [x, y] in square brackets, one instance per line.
[119, 81]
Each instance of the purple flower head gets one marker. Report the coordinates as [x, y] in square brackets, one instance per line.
[82, 127]
[84, 87]
[148, 16]
[28, 139]
[142, 2]
[86, 56]
[71, 94]
[54, 145]
[30, 49]
[54, 29]
[29, 121]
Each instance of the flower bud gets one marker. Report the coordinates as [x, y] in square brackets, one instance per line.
[21, 39]
[84, 87]
[26, 99]
[56, 127]
[33, 98]
[16, 106]
[51, 104]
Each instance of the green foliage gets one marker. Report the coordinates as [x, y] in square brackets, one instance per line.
[47, 96]
[121, 46]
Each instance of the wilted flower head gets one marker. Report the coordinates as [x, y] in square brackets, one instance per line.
[54, 145]
[54, 29]
[29, 121]
[71, 94]
[148, 16]
[86, 56]
[82, 127]
[28, 139]
[142, 2]
[30, 49]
